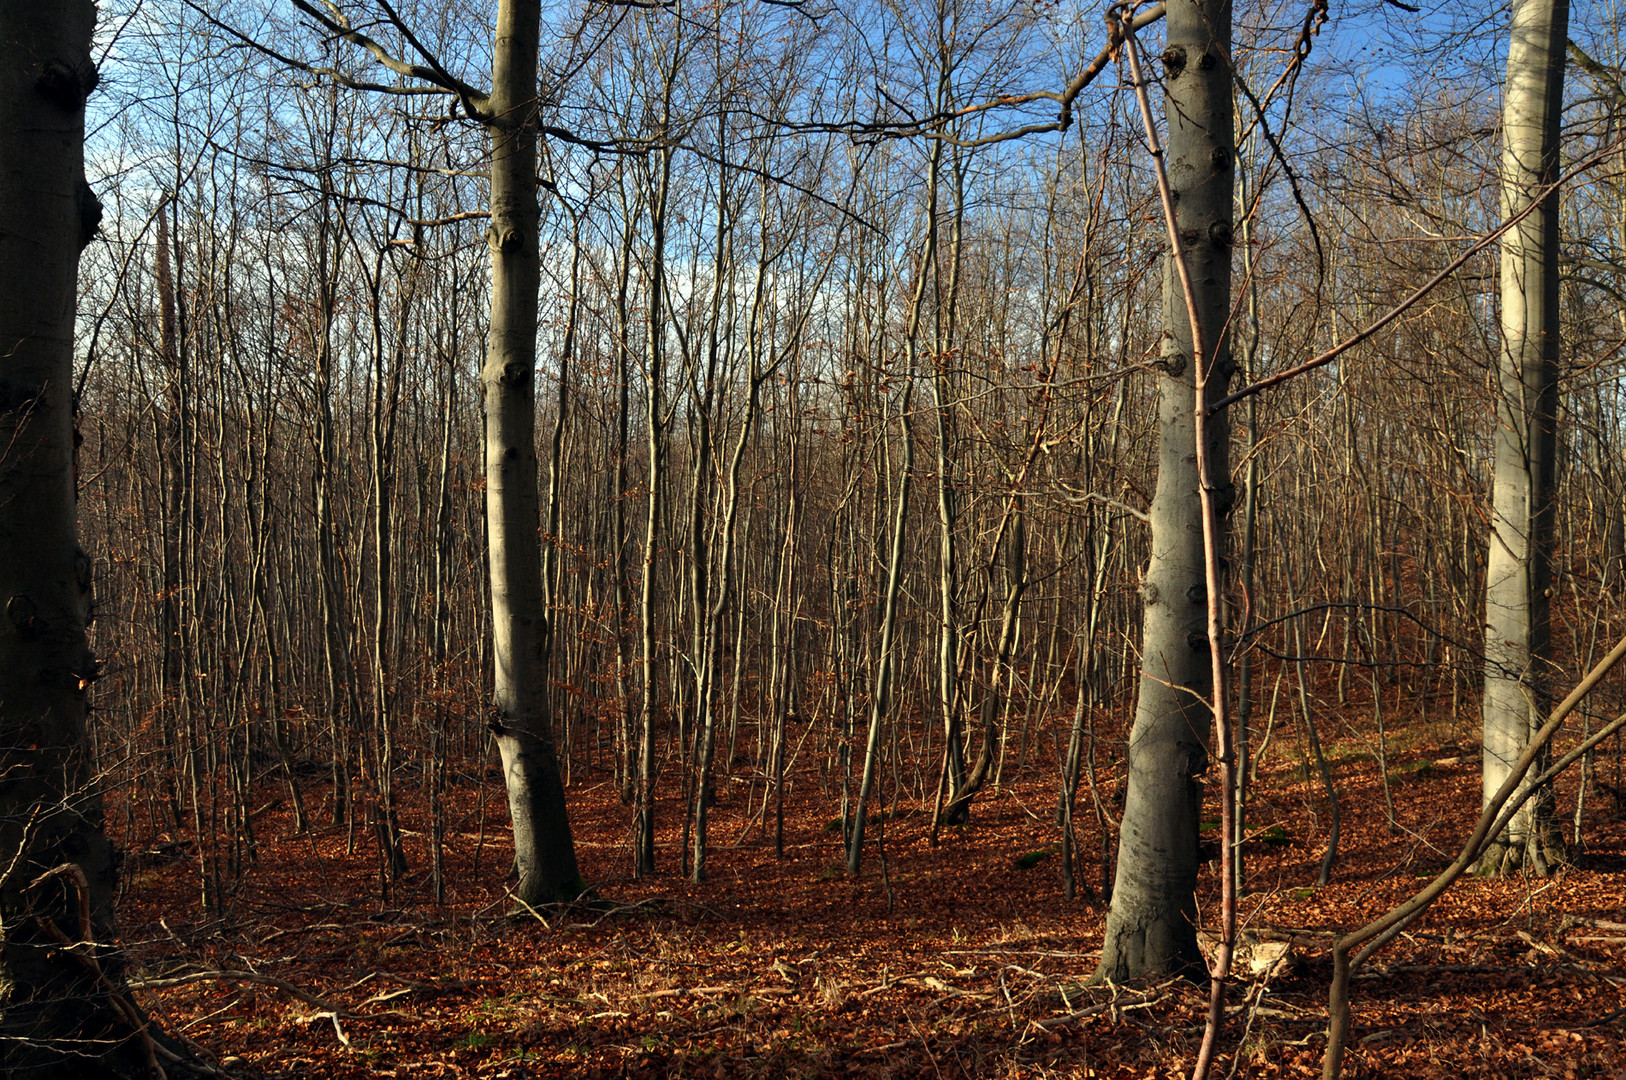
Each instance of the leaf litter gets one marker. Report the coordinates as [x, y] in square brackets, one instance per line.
[963, 960]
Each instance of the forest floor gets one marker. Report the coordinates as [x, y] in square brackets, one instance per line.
[963, 960]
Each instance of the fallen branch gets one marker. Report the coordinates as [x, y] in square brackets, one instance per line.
[887, 984]
[714, 991]
[322, 1005]
[1144, 1000]
[1600, 1021]
[328, 1014]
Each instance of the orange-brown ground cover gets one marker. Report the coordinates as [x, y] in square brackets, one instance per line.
[963, 960]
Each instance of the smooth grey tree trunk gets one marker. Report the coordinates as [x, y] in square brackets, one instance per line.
[1151, 928]
[58, 968]
[544, 850]
[1518, 567]
[1517, 571]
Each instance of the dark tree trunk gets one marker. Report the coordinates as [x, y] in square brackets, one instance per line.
[544, 850]
[58, 968]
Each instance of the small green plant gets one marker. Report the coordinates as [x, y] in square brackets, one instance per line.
[1032, 858]
[1275, 836]
[498, 1006]
[474, 1040]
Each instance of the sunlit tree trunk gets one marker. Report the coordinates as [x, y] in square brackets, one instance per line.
[440, 607]
[627, 756]
[655, 418]
[1518, 566]
[1151, 928]
[885, 675]
[708, 584]
[169, 433]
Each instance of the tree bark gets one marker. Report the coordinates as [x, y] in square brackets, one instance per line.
[1151, 928]
[1518, 569]
[58, 968]
[544, 850]
[655, 413]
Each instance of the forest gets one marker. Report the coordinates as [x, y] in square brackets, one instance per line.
[800, 538]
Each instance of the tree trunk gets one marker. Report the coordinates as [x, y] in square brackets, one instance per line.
[880, 697]
[1518, 570]
[655, 411]
[544, 850]
[58, 968]
[1151, 928]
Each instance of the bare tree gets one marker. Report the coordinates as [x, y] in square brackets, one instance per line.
[1518, 568]
[522, 630]
[1151, 927]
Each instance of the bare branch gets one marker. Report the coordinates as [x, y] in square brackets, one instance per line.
[320, 71]
[1065, 98]
[1421, 291]
[465, 93]
[339, 26]
[1608, 78]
